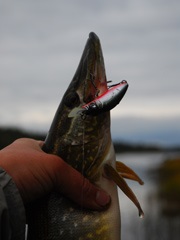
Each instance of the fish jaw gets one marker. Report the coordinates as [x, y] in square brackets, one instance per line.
[88, 139]
[90, 75]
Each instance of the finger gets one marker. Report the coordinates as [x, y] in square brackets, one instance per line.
[41, 143]
[79, 189]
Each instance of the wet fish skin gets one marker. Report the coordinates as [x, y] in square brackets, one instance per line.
[84, 143]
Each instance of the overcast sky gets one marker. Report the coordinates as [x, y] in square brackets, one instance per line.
[41, 43]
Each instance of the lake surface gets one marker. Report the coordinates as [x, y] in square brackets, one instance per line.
[153, 225]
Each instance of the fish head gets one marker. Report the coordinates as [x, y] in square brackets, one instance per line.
[89, 80]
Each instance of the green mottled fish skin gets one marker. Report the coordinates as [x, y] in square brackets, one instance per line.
[85, 144]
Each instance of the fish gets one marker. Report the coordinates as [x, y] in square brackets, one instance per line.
[85, 143]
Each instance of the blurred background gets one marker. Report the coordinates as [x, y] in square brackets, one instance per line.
[41, 43]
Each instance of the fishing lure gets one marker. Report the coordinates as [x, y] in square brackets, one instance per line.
[105, 102]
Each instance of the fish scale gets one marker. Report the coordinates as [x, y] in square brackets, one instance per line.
[84, 143]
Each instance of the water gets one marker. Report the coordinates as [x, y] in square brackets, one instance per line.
[153, 226]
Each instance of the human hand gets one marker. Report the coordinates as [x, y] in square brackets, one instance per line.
[36, 173]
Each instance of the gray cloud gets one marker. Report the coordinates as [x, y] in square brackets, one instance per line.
[41, 44]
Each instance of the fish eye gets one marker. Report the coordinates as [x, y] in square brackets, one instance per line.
[72, 100]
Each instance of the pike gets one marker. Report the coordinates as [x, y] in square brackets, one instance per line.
[84, 143]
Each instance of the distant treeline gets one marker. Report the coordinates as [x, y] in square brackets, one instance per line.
[132, 147]
[8, 135]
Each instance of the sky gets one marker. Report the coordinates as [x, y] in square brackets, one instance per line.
[41, 42]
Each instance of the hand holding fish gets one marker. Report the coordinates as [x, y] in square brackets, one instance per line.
[36, 173]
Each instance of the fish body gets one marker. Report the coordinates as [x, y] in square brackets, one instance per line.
[85, 144]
